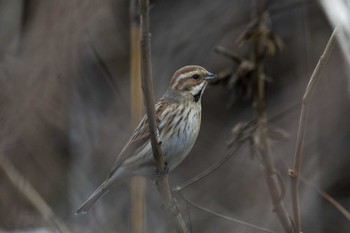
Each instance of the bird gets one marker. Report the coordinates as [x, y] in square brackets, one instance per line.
[178, 114]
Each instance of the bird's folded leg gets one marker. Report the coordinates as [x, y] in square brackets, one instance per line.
[157, 135]
[157, 173]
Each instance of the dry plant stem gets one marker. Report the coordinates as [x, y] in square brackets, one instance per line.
[135, 64]
[225, 217]
[327, 197]
[259, 106]
[138, 184]
[31, 194]
[294, 174]
[263, 150]
[162, 180]
[209, 170]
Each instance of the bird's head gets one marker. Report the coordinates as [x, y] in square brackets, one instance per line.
[191, 81]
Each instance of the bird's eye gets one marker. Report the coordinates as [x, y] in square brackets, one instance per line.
[195, 76]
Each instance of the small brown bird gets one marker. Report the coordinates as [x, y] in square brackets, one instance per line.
[179, 116]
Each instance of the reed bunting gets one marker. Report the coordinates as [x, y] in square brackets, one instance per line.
[179, 116]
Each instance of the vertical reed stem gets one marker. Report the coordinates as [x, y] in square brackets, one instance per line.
[138, 184]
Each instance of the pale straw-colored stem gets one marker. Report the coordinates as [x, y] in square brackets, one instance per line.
[138, 183]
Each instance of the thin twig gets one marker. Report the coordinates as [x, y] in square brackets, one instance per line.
[32, 195]
[224, 216]
[147, 87]
[279, 116]
[327, 197]
[294, 173]
[208, 171]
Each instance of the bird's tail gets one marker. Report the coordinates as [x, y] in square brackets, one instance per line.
[90, 202]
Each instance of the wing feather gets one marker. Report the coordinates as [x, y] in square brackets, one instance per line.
[141, 137]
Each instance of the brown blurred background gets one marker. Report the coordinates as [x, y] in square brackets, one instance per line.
[65, 112]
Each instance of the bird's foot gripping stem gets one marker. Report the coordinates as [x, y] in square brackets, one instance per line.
[157, 173]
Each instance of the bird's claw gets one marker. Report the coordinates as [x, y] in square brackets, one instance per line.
[166, 168]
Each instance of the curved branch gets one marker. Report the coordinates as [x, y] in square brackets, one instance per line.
[208, 171]
[226, 217]
[327, 197]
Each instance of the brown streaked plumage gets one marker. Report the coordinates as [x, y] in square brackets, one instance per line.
[178, 114]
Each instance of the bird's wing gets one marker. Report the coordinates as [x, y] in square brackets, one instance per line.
[141, 137]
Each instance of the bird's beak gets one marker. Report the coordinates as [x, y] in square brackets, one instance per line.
[210, 76]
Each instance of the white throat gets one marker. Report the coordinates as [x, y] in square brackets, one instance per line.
[199, 88]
